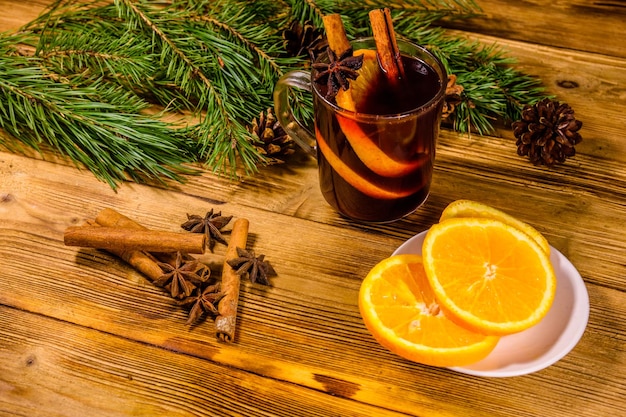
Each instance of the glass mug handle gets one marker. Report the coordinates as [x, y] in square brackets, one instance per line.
[284, 113]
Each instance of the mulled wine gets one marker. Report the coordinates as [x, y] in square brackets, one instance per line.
[376, 141]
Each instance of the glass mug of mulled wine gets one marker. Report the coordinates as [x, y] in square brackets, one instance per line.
[374, 142]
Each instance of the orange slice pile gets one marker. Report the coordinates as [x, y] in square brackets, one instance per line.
[469, 208]
[485, 277]
[400, 310]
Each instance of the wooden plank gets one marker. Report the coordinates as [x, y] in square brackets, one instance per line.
[306, 328]
[506, 181]
[590, 83]
[581, 25]
[52, 368]
[17, 13]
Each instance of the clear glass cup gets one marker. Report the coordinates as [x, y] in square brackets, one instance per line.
[376, 164]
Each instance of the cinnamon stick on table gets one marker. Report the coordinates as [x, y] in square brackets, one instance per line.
[226, 322]
[336, 34]
[141, 261]
[109, 217]
[134, 239]
[386, 44]
[146, 262]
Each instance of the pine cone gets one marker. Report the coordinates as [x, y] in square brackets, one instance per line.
[303, 39]
[272, 140]
[547, 132]
[452, 98]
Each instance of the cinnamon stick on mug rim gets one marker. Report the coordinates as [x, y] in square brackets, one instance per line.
[336, 34]
[387, 49]
[225, 323]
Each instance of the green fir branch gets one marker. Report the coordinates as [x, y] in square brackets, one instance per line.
[82, 75]
[114, 144]
[310, 10]
[221, 98]
[493, 89]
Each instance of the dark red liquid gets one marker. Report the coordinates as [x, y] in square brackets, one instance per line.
[380, 170]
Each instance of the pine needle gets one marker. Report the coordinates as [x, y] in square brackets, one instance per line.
[83, 75]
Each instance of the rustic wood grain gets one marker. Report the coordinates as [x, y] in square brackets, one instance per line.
[82, 333]
[295, 331]
[584, 25]
[16, 13]
[45, 360]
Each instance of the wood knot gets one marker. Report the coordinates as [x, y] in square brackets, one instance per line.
[31, 360]
[336, 386]
[567, 84]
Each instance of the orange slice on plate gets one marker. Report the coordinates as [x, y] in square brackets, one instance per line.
[367, 150]
[469, 208]
[400, 310]
[488, 276]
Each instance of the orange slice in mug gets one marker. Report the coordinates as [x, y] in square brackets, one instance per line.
[362, 184]
[365, 148]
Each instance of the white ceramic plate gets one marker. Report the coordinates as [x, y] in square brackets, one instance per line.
[546, 342]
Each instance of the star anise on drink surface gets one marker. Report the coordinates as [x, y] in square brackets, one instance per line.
[256, 268]
[203, 301]
[181, 278]
[210, 225]
[336, 73]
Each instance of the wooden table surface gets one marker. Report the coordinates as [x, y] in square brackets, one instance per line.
[83, 334]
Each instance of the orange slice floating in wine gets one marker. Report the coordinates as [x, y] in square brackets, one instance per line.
[354, 179]
[365, 148]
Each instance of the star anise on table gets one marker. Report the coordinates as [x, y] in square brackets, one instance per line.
[203, 301]
[210, 225]
[336, 73]
[181, 278]
[256, 268]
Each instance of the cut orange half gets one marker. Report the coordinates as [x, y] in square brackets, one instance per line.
[399, 309]
[366, 149]
[468, 208]
[488, 276]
